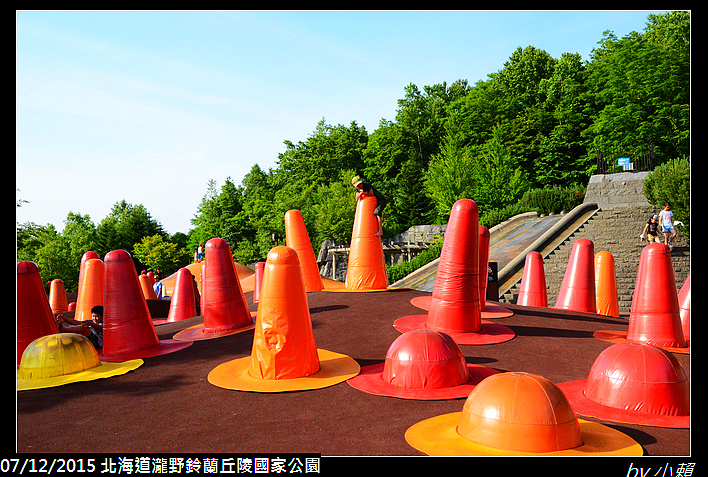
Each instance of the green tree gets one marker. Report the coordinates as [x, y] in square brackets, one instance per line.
[335, 209]
[639, 89]
[450, 177]
[158, 254]
[499, 181]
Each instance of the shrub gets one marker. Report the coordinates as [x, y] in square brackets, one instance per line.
[671, 182]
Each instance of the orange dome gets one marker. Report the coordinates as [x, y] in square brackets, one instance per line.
[519, 412]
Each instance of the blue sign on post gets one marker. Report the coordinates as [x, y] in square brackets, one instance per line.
[623, 161]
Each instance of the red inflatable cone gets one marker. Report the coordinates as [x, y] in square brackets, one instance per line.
[34, 315]
[606, 299]
[128, 331]
[183, 304]
[367, 268]
[533, 282]
[684, 297]
[57, 297]
[483, 247]
[223, 303]
[91, 290]
[577, 291]
[260, 266]
[655, 315]
[297, 238]
[455, 305]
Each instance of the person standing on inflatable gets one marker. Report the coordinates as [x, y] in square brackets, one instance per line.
[364, 189]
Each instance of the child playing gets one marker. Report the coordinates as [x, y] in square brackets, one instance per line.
[366, 189]
[666, 219]
[651, 230]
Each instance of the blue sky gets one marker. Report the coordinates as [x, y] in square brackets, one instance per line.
[148, 106]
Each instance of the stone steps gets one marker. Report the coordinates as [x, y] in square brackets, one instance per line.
[617, 231]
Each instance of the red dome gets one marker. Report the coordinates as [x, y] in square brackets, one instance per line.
[639, 377]
[425, 359]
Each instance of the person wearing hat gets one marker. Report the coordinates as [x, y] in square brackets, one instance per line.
[651, 230]
[366, 189]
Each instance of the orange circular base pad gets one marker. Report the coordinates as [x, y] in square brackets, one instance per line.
[438, 436]
[334, 369]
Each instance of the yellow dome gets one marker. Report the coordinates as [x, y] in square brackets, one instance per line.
[57, 355]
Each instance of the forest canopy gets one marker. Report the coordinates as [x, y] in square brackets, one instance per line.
[538, 123]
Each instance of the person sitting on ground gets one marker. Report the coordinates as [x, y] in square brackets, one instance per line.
[651, 230]
[92, 329]
[366, 189]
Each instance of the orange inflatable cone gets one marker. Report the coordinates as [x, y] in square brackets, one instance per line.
[283, 344]
[455, 305]
[260, 266]
[533, 282]
[483, 247]
[128, 331]
[91, 290]
[577, 291]
[284, 356]
[684, 297]
[183, 304]
[34, 315]
[57, 297]
[655, 315]
[223, 303]
[86, 257]
[367, 268]
[606, 299]
[146, 288]
[296, 237]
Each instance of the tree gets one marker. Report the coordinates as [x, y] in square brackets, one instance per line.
[422, 115]
[498, 179]
[639, 88]
[450, 177]
[158, 254]
[335, 209]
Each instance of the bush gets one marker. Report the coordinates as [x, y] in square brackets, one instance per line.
[671, 182]
[396, 272]
[553, 200]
